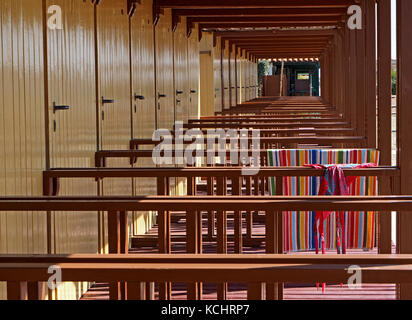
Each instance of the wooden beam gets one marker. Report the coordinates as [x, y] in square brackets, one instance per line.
[265, 24]
[404, 52]
[370, 74]
[267, 12]
[230, 4]
[311, 19]
[384, 114]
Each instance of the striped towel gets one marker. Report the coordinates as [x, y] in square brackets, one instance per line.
[298, 227]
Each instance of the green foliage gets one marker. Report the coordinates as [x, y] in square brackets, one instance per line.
[394, 80]
[263, 70]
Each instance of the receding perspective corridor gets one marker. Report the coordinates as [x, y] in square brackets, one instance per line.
[205, 150]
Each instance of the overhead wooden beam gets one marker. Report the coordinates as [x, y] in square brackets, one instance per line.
[278, 33]
[230, 4]
[280, 45]
[384, 115]
[300, 20]
[267, 12]
[404, 71]
[265, 24]
[287, 57]
[280, 40]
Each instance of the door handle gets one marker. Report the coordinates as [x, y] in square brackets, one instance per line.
[161, 95]
[59, 108]
[179, 92]
[178, 100]
[105, 101]
[193, 91]
[138, 97]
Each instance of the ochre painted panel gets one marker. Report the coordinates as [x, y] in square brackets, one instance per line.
[144, 111]
[164, 71]
[217, 71]
[207, 89]
[226, 83]
[194, 73]
[115, 114]
[181, 72]
[22, 138]
[232, 76]
[73, 132]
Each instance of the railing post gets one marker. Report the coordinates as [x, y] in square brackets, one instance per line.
[118, 244]
[136, 291]
[236, 191]
[211, 225]
[35, 290]
[384, 117]
[280, 246]
[16, 290]
[249, 214]
[193, 239]
[404, 96]
[164, 233]
[221, 234]
[255, 291]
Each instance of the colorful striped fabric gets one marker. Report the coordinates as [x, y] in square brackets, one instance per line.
[298, 227]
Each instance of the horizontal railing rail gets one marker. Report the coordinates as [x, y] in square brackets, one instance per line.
[136, 272]
[312, 124]
[306, 119]
[205, 203]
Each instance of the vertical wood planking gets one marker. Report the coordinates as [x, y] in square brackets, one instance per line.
[143, 108]
[370, 80]
[217, 71]
[22, 138]
[207, 88]
[193, 59]
[225, 75]
[404, 69]
[164, 71]
[115, 122]
[384, 116]
[181, 72]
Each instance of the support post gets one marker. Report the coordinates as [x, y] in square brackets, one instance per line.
[404, 52]
[384, 117]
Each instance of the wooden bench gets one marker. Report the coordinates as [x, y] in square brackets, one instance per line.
[117, 207]
[268, 142]
[291, 131]
[292, 114]
[243, 119]
[312, 124]
[216, 179]
[257, 271]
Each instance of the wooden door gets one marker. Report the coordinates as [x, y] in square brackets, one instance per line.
[114, 74]
[164, 72]
[226, 82]
[114, 95]
[194, 73]
[144, 103]
[217, 70]
[233, 76]
[181, 72]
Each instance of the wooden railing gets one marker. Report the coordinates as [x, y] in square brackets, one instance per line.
[312, 124]
[273, 142]
[291, 131]
[139, 271]
[219, 269]
[218, 180]
[242, 119]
